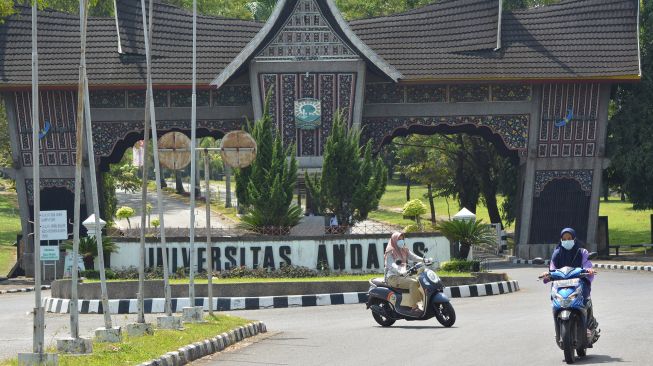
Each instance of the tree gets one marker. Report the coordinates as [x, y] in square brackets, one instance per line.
[125, 176]
[5, 146]
[271, 181]
[88, 249]
[630, 146]
[125, 212]
[350, 185]
[465, 167]
[467, 233]
[414, 210]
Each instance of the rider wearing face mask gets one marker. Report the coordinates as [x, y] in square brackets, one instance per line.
[397, 255]
[570, 254]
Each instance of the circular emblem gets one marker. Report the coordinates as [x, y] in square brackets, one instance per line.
[175, 150]
[308, 113]
[238, 149]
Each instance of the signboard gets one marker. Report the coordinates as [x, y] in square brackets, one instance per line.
[68, 264]
[49, 253]
[362, 254]
[308, 113]
[54, 225]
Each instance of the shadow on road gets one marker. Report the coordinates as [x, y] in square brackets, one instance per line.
[597, 359]
[416, 327]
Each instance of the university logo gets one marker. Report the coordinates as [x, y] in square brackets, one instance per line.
[308, 113]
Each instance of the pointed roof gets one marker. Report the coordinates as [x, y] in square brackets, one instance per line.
[279, 18]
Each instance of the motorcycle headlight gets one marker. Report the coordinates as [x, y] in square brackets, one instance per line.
[432, 276]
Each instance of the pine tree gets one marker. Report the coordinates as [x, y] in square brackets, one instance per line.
[350, 185]
[271, 181]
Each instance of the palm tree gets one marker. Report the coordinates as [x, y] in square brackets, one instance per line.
[88, 249]
[467, 233]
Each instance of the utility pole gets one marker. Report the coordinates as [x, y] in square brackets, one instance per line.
[39, 315]
[75, 344]
[193, 313]
[168, 321]
[209, 273]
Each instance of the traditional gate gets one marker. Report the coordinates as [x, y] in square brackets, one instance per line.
[460, 66]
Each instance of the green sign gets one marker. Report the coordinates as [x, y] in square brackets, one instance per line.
[308, 113]
[50, 253]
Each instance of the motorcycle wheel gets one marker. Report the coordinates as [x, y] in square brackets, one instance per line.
[445, 314]
[380, 319]
[567, 336]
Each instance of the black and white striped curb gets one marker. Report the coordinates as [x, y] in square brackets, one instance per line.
[596, 265]
[27, 289]
[530, 261]
[624, 267]
[207, 347]
[130, 306]
[483, 289]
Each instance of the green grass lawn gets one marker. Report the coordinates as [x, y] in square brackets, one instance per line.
[626, 226]
[395, 197]
[135, 350]
[9, 227]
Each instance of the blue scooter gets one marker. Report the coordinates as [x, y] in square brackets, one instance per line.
[570, 312]
[384, 301]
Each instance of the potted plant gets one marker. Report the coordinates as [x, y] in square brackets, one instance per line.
[467, 233]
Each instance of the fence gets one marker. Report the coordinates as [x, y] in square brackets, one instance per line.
[366, 228]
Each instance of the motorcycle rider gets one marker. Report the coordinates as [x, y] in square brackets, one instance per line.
[570, 254]
[396, 256]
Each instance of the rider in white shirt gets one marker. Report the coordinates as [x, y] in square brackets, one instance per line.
[397, 255]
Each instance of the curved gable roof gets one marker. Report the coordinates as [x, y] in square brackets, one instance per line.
[454, 40]
[219, 41]
[273, 26]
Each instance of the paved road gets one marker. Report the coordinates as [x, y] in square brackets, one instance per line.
[514, 329]
[16, 324]
[176, 214]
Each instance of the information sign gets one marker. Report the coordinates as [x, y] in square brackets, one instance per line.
[54, 225]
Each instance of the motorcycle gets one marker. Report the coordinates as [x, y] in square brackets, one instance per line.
[570, 312]
[384, 301]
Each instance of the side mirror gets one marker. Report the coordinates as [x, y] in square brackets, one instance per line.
[538, 260]
[593, 255]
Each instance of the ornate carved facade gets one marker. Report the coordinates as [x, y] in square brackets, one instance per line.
[306, 35]
[56, 123]
[513, 129]
[436, 93]
[334, 90]
[569, 120]
[583, 177]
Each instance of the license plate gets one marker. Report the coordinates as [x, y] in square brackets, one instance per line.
[566, 283]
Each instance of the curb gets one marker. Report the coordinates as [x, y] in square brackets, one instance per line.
[156, 305]
[27, 289]
[207, 347]
[624, 267]
[596, 265]
[524, 261]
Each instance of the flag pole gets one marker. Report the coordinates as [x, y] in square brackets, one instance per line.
[193, 162]
[39, 315]
[157, 166]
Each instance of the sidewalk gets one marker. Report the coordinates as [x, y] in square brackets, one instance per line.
[15, 283]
